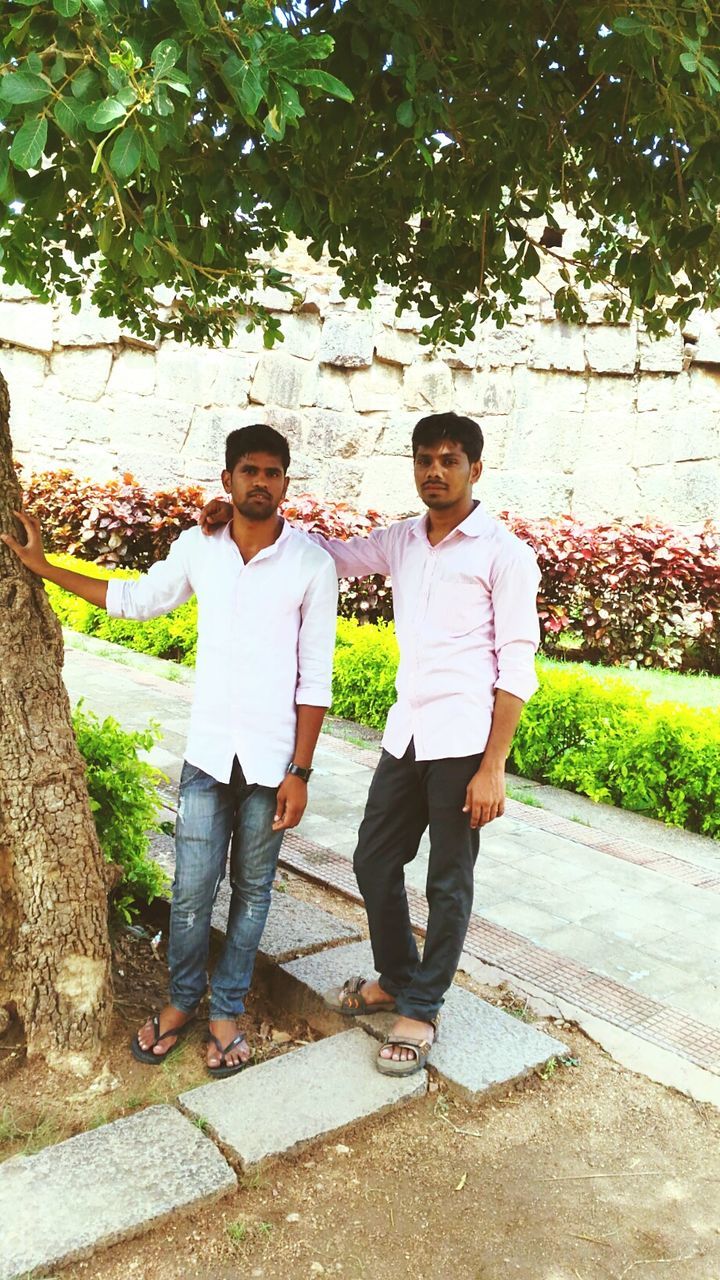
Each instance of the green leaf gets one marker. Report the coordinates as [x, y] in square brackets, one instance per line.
[83, 84]
[405, 113]
[126, 153]
[291, 105]
[69, 116]
[628, 25]
[323, 80]
[178, 85]
[711, 78]
[531, 262]
[697, 236]
[58, 69]
[29, 143]
[23, 86]
[101, 114]
[275, 123]
[127, 95]
[245, 84]
[98, 9]
[151, 155]
[162, 101]
[164, 56]
[67, 8]
[653, 38]
[192, 15]
[688, 61]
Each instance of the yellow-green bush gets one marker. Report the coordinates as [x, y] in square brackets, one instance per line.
[172, 636]
[613, 744]
[366, 659]
[125, 805]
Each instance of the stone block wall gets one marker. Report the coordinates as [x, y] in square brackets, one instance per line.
[598, 421]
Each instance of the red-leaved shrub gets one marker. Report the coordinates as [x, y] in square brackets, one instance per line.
[641, 593]
[117, 522]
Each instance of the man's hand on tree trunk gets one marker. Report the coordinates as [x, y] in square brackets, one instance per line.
[32, 554]
[94, 590]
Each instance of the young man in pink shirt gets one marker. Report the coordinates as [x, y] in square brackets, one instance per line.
[464, 592]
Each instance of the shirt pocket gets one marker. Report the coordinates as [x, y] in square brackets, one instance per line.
[460, 605]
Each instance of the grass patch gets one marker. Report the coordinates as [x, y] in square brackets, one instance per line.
[522, 796]
[700, 691]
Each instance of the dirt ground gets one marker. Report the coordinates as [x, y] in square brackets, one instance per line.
[586, 1172]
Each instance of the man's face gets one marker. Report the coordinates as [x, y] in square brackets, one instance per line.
[257, 485]
[444, 475]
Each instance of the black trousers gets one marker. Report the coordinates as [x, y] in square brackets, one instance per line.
[406, 797]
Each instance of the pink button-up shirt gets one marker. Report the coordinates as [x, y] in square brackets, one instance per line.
[466, 623]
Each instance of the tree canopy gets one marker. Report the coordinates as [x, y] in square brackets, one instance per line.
[176, 142]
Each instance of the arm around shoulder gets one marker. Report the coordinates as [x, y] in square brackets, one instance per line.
[359, 556]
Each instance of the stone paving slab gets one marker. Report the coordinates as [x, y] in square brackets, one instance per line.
[104, 1186]
[480, 1048]
[283, 1104]
[293, 928]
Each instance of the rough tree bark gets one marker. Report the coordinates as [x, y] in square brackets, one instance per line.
[54, 948]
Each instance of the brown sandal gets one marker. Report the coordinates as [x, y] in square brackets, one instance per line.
[349, 1000]
[421, 1049]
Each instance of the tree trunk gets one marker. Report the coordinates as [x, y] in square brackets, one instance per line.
[54, 947]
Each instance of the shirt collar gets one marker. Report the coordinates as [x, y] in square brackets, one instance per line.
[473, 526]
[285, 533]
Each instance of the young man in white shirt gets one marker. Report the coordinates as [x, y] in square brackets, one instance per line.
[464, 592]
[267, 604]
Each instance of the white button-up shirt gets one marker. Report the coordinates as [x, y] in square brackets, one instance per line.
[266, 634]
[466, 622]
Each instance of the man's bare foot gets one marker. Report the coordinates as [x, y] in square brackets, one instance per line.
[169, 1017]
[225, 1030]
[410, 1029]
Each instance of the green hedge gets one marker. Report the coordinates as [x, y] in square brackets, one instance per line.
[173, 636]
[584, 733]
[125, 805]
[661, 759]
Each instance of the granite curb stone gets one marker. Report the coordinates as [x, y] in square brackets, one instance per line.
[287, 1102]
[480, 1048]
[103, 1186]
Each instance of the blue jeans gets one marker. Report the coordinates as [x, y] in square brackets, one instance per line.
[211, 816]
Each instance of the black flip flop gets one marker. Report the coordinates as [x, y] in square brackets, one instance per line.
[154, 1059]
[221, 1072]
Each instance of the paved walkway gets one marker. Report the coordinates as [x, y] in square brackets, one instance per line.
[626, 901]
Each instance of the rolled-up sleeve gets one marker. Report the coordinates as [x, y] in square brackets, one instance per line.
[358, 556]
[517, 629]
[316, 640]
[165, 586]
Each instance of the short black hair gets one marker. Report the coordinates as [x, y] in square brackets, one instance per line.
[258, 438]
[449, 426]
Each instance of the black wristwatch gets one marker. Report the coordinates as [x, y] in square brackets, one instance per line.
[298, 771]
